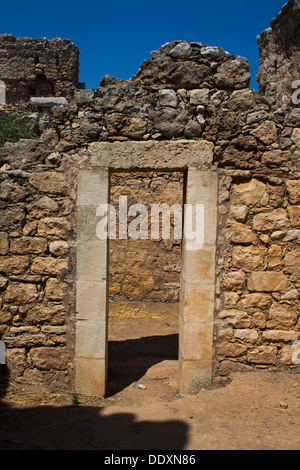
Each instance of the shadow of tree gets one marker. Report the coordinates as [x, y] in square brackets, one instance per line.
[56, 427]
[83, 428]
[129, 360]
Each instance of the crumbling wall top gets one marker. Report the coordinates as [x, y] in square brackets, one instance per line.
[38, 67]
[279, 56]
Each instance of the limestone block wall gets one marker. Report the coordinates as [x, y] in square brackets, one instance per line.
[258, 283]
[191, 99]
[146, 270]
[36, 239]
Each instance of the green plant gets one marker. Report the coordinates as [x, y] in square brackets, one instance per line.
[12, 128]
[75, 400]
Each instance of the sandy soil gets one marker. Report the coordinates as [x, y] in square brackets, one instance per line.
[143, 409]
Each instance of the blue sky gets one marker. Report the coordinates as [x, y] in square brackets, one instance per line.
[114, 37]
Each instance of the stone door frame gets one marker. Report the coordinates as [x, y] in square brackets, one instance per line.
[197, 282]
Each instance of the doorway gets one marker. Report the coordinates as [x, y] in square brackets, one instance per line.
[197, 279]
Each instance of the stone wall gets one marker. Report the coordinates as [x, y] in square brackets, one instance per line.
[146, 270]
[279, 56]
[191, 85]
[186, 93]
[38, 67]
[258, 282]
[35, 264]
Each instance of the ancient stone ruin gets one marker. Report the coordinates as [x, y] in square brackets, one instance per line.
[38, 67]
[187, 128]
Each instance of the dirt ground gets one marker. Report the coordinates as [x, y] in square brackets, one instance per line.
[143, 408]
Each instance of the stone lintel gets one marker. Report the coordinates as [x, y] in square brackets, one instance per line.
[153, 155]
[48, 101]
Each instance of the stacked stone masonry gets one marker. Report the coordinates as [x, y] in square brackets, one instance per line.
[146, 269]
[186, 93]
[37, 67]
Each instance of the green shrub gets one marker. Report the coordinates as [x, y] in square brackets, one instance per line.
[12, 128]
[75, 400]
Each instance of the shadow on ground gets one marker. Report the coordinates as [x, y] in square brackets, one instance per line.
[129, 360]
[90, 427]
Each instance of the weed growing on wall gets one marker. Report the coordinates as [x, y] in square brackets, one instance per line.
[13, 128]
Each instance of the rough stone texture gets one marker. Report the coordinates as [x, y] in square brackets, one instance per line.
[16, 361]
[262, 355]
[248, 194]
[293, 188]
[49, 358]
[275, 220]
[48, 182]
[239, 233]
[38, 67]
[248, 258]
[279, 56]
[55, 290]
[21, 293]
[49, 266]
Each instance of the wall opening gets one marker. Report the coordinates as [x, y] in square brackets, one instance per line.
[144, 281]
[197, 277]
